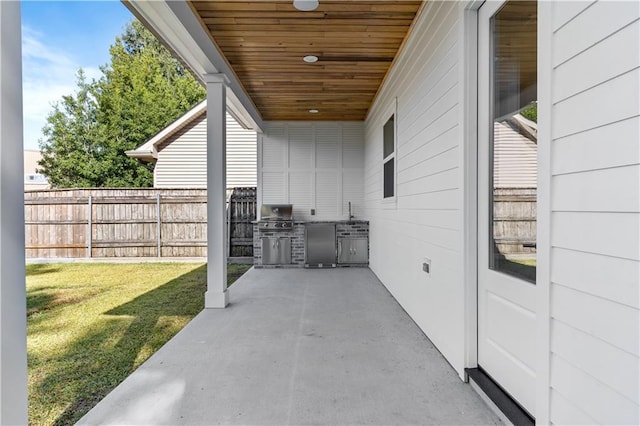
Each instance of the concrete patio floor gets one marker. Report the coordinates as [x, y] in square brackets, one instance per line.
[297, 347]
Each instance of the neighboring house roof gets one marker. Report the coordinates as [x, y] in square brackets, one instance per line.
[148, 151]
[515, 151]
[179, 152]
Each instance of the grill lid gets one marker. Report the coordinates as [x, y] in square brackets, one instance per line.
[276, 212]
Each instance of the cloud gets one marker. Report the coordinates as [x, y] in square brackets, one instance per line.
[48, 73]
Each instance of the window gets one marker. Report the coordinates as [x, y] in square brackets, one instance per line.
[513, 142]
[35, 178]
[388, 157]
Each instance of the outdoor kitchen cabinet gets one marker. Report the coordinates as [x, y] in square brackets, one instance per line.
[276, 250]
[353, 250]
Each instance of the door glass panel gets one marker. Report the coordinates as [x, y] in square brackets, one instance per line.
[513, 171]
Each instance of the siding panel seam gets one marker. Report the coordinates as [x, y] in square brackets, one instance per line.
[595, 44]
[593, 253]
[574, 17]
[604, 384]
[631, 117]
[600, 83]
[595, 296]
[597, 169]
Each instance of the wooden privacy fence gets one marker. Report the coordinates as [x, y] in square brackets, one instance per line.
[514, 220]
[77, 223]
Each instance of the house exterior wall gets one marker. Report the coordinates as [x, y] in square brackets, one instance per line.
[241, 155]
[312, 166]
[595, 205]
[33, 181]
[589, 297]
[425, 218]
[515, 158]
[182, 159]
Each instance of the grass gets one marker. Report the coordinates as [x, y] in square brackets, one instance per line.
[90, 325]
[527, 262]
[524, 268]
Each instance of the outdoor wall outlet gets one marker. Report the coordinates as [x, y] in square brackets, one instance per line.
[426, 265]
[313, 212]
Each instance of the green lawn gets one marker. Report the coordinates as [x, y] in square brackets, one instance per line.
[91, 325]
[527, 262]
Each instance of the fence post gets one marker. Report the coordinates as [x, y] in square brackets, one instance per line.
[89, 225]
[158, 210]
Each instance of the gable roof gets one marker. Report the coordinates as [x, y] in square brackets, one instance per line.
[148, 151]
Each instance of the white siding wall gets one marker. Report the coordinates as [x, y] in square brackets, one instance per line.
[241, 155]
[595, 205]
[182, 159]
[425, 219]
[515, 159]
[313, 166]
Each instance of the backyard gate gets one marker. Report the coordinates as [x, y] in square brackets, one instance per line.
[241, 214]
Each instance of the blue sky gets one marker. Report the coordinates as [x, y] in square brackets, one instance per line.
[58, 38]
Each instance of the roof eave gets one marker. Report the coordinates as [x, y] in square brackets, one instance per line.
[176, 26]
[141, 155]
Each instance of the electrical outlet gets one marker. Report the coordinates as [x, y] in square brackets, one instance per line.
[313, 212]
[426, 266]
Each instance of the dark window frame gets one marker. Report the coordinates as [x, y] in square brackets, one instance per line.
[389, 158]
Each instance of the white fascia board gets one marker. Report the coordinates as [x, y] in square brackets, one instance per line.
[149, 149]
[193, 113]
[141, 155]
[240, 114]
[175, 23]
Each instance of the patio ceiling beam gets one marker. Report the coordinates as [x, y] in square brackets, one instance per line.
[176, 26]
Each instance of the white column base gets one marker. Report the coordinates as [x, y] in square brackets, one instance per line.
[216, 299]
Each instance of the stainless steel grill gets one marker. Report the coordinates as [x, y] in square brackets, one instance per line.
[276, 217]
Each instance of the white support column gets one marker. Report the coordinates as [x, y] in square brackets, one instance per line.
[217, 295]
[13, 315]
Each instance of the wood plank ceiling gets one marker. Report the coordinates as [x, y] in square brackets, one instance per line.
[264, 41]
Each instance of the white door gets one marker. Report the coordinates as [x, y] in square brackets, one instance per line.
[507, 172]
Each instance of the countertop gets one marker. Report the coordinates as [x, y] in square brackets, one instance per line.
[348, 222]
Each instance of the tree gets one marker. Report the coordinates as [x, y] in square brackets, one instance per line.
[73, 135]
[141, 91]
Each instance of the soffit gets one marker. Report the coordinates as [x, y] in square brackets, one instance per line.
[264, 43]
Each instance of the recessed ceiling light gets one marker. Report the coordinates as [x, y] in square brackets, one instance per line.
[310, 59]
[305, 5]
[313, 111]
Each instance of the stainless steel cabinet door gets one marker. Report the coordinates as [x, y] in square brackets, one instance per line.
[320, 244]
[360, 247]
[353, 250]
[276, 250]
